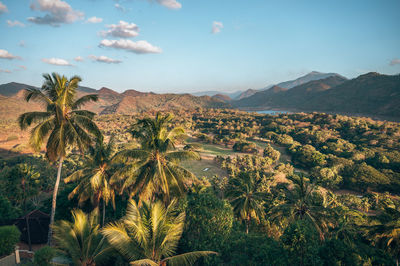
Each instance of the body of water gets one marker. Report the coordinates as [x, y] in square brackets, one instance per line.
[273, 112]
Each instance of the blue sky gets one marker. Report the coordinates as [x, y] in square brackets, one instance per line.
[195, 45]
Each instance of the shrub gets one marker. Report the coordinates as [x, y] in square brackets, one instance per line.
[9, 237]
[44, 256]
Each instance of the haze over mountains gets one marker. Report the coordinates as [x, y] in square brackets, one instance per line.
[368, 94]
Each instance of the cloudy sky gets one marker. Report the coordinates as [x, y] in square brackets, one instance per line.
[195, 45]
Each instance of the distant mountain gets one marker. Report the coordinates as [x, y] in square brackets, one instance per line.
[369, 94]
[12, 88]
[314, 75]
[260, 98]
[87, 89]
[12, 103]
[372, 93]
[222, 97]
[246, 94]
[232, 95]
[150, 101]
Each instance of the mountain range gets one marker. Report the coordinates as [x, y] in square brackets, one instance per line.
[12, 101]
[368, 94]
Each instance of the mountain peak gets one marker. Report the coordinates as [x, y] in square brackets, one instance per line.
[105, 90]
[314, 73]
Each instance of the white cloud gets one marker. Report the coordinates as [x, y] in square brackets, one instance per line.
[139, 47]
[171, 4]
[216, 27]
[94, 20]
[4, 54]
[395, 62]
[3, 8]
[122, 30]
[79, 59]
[22, 67]
[56, 61]
[4, 71]
[58, 12]
[15, 23]
[104, 59]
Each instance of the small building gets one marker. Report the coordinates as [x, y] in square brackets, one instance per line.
[34, 227]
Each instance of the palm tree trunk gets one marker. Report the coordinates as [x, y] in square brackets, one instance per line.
[104, 212]
[247, 224]
[54, 201]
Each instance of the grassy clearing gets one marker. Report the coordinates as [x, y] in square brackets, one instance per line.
[197, 168]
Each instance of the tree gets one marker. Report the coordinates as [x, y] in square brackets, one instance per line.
[301, 241]
[387, 232]
[62, 124]
[81, 240]
[245, 197]
[149, 235]
[208, 223]
[94, 178]
[153, 170]
[302, 202]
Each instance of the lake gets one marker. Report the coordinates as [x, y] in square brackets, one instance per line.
[273, 112]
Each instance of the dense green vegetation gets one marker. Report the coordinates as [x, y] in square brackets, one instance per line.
[294, 189]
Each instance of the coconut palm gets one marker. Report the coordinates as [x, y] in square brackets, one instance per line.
[63, 125]
[93, 180]
[303, 202]
[153, 170]
[81, 241]
[245, 197]
[387, 232]
[149, 235]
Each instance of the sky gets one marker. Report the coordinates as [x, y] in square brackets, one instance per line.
[195, 45]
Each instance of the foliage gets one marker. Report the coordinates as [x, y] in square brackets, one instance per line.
[7, 211]
[80, 240]
[245, 195]
[153, 169]
[44, 256]
[363, 176]
[9, 237]
[253, 249]
[301, 241]
[208, 224]
[149, 235]
[303, 202]
[242, 146]
[271, 153]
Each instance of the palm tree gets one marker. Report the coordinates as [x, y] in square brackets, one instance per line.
[81, 240]
[302, 202]
[153, 170]
[94, 178]
[62, 124]
[149, 235]
[245, 197]
[387, 232]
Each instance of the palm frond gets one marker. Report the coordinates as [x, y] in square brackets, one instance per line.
[84, 100]
[187, 258]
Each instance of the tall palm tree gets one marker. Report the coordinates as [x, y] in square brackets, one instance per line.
[303, 202]
[94, 178]
[153, 169]
[149, 235]
[81, 240]
[246, 198]
[62, 124]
